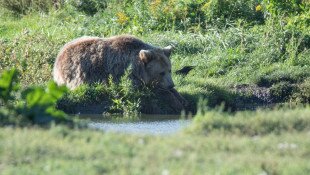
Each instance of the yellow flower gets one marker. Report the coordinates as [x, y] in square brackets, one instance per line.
[155, 5]
[166, 10]
[122, 18]
[206, 6]
[258, 8]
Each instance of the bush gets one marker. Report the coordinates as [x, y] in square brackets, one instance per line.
[221, 11]
[189, 15]
[90, 7]
[277, 7]
[24, 6]
[27, 52]
[303, 92]
[35, 105]
[125, 97]
[281, 91]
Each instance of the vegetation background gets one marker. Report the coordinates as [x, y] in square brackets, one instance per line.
[245, 53]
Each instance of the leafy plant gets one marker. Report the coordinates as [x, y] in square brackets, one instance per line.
[276, 7]
[125, 97]
[35, 105]
[90, 7]
[8, 85]
[38, 104]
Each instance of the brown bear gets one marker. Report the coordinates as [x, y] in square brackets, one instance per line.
[92, 59]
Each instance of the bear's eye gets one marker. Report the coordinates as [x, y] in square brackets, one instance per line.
[162, 73]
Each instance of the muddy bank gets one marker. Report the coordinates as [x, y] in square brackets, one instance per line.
[238, 97]
[250, 97]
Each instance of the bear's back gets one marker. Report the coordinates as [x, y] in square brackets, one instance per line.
[126, 43]
[93, 59]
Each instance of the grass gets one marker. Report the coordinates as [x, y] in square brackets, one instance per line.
[260, 122]
[245, 53]
[224, 57]
[222, 150]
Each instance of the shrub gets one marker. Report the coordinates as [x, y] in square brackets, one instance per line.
[27, 52]
[189, 15]
[276, 7]
[24, 6]
[221, 11]
[125, 97]
[35, 105]
[303, 92]
[90, 7]
[281, 91]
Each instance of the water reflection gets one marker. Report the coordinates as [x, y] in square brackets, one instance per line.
[145, 124]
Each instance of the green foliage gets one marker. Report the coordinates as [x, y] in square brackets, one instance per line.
[34, 105]
[25, 6]
[125, 97]
[281, 91]
[302, 94]
[276, 7]
[90, 7]
[85, 96]
[230, 43]
[300, 23]
[253, 123]
[221, 12]
[8, 85]
[276, 75]
[120, 97]
[28, 51]
[38, 104]
[189, 15]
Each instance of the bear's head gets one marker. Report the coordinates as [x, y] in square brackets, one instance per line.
[157, 67]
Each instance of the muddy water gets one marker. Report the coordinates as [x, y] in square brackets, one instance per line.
[146, 124]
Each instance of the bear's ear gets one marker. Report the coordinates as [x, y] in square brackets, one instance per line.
[145, 55]
[167, 50]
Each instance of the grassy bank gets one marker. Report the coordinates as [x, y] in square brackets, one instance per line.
[257, 53]
[245, 54]
[211, 150]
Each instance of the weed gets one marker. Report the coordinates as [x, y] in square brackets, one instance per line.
[125, 97]
[34, 105]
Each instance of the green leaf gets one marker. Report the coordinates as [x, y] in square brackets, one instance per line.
[56, 91]
[8, 84]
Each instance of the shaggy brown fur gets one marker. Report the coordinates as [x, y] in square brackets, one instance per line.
[92, 59]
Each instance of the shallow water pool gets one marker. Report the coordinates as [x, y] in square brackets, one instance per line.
[146, 124]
